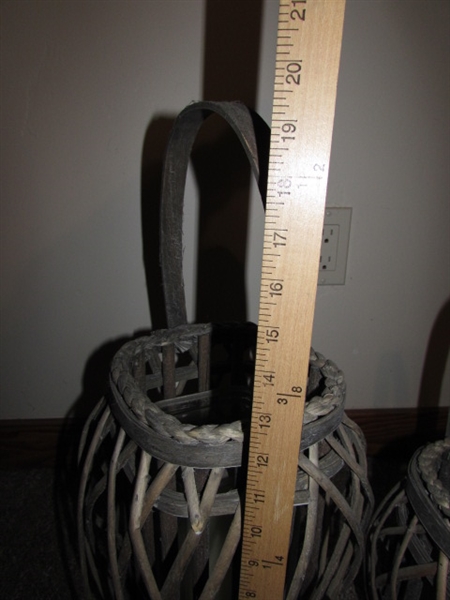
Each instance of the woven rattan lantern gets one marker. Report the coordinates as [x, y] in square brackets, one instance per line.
[159, 513]
[410, 537]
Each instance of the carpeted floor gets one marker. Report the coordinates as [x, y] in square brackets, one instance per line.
[38, 558]
[37, 555]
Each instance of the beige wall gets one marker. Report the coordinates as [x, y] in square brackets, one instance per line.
[82, 81]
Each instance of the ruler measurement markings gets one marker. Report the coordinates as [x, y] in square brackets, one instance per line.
[264, 549]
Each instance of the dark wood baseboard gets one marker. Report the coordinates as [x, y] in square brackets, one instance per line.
[38, 443]
[400, 430]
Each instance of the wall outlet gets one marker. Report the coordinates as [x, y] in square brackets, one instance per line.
[334, 250]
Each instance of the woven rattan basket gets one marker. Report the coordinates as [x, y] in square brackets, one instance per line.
[159, 513]
[409, 548]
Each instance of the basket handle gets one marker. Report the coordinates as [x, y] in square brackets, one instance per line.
[254, 135]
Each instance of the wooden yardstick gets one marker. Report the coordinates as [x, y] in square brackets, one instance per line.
[306, 73]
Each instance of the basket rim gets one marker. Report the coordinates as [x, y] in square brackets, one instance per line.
[151, 414]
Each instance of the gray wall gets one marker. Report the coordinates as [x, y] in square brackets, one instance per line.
[82, 83]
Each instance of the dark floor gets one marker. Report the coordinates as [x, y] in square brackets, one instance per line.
[38, 556]
[36, 561]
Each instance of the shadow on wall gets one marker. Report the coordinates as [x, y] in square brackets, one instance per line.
[429, 423]
[223, 175]
[436, 358]
[230, 73]
[231, 55]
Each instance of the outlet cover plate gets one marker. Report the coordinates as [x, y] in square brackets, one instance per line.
[334, 249]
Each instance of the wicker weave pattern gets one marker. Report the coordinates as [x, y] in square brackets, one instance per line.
[429, 461]
[160, 493]
[161, 456]
[410, 534]
[185, 339]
